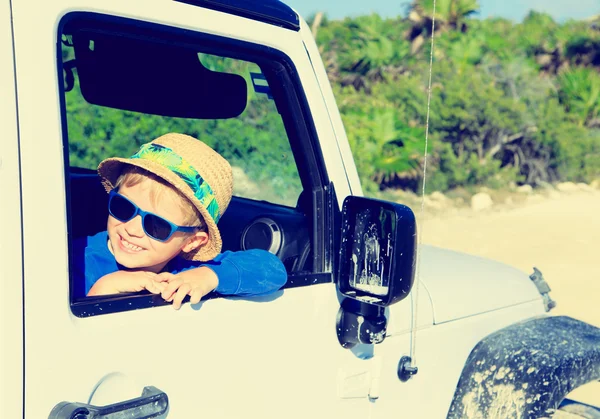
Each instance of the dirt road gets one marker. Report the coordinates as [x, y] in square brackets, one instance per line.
[560, 236]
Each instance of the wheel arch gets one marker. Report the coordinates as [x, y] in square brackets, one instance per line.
[526, 369]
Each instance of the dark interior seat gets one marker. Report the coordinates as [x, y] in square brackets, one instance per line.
[89, 205]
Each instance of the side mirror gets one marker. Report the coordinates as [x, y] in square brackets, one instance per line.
[377, 252]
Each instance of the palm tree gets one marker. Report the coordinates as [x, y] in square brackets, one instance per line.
[364, 50]
[399, 157]
[449, 15]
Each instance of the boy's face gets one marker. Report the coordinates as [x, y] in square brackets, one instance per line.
[129, 243]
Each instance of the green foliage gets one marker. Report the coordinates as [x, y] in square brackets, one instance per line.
[497, 37]
[574, 150]
[583, 48]
[474, 116]
[537, 33]
[364, 43]
[510, 102]
[385, 147]
[580, 94]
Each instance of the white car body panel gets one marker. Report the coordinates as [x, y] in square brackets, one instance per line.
[462, 285]
[262, 357]
[441, 352]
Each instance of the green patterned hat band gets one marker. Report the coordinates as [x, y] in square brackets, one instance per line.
[176, 164]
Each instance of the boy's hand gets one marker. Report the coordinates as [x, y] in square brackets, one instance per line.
[195, 282]
[128, 281]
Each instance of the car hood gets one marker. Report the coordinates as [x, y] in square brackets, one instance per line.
[461, 285]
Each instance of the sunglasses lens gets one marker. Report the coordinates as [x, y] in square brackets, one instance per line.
[157, 227]
[121, 208]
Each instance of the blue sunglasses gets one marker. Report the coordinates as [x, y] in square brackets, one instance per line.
[155, 226]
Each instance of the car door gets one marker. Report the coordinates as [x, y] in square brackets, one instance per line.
[225, 357]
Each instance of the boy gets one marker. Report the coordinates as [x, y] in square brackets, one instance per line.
[162, 236]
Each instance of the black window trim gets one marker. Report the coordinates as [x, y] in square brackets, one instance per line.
[273, 12]
[300, 129]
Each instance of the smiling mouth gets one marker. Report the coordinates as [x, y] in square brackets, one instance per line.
[129, 247]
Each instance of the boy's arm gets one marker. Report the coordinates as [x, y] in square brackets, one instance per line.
[249, 272]
[127, 281]
[246, 273]
[243, 273]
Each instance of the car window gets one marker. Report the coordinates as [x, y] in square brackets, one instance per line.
[125, 83]
[255, 143]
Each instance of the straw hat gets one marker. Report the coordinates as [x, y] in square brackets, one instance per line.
[201, 174]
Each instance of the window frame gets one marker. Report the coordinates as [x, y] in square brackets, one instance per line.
[298, 122]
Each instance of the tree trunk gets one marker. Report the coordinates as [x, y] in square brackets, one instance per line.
[416, 44]
[316, 24]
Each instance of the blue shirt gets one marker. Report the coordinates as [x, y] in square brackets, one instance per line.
[245, 273]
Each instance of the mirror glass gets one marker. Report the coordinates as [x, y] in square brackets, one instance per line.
[372, 246]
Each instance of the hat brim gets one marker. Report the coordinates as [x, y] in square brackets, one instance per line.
[110, 170]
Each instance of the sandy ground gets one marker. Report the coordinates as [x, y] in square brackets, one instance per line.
[560, 236]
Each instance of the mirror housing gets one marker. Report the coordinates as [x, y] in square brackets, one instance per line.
[377, 251]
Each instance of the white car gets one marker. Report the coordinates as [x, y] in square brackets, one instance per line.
[81, 79]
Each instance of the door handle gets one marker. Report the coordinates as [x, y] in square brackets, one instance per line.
[152, 404]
